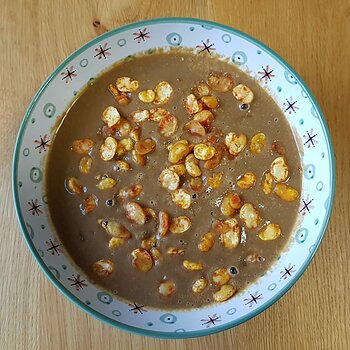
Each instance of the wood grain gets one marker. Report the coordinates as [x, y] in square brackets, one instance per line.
[35, 36]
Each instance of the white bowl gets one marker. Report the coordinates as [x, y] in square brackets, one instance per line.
[287, 89]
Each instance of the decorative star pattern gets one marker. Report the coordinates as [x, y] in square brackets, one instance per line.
[102, 51]
[290, 106]
[142, 35]
[306, 205]
[253, 300]
[137, 309]
[310, 139]
[288, 271]
[266, 74]
[69, 74]
[42, 143]
[53, 247]
[210, 321]
[206, 47]
[77, 282]
[34, 207]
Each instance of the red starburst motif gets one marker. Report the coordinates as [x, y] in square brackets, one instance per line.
[310, 139]
[206, 47]
[253, 300]
[266, 74]
[141, 35]
[77, 282]
[42, 143]
[287, 271]
[53, 247]
[69, 74]
[306, 205]
[291, 106]
[210, 321]
[102, 51]
[34, 207]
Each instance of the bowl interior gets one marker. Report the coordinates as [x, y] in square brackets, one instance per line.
[272, 73]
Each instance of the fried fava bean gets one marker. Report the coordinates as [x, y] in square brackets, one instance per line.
[257, 143]
[122, 165]
[163, 225]
[74, 186]
[147, 96]
[168, 125]
[231, 238]
[243, 93]
[106, 184]
[166, 289]
[156, 114]
[135, 134]
[221, 277]
[120, 97]
[195, 128]
[111, 116]
[246, 181]
[216, 160]
[89, 204]
[169, 180]
[179, 169]
[286, 192]
[141, 259]
[226, 207]
[145, 146]
[192, 167]
[180, 224]
[235, 143]
[83, 146]
[138, 158]
[140, 115]
[249, 215]
[178, 151]
[85, 165]
[103, 267]
[279, 169]
[130, 192]
[199, 285]
[156, 255]
[163, 92]
[204, 117]
[270, 232]
[206, 242]
[203, 151]
[215, 180]
[192, 266]
[201, 89]
[135, 213]
[210, 101]
[192, 105]
[220, 82]
[108, 148]
[182, 198]
[224, 293]
[267, 183]
[114, 228]
[126, 84]
[175, 251]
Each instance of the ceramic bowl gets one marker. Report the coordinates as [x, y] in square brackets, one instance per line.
[272, 73]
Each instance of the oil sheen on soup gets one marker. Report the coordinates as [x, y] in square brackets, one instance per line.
[174, 180]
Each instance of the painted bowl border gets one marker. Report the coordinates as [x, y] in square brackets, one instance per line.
[69, 295]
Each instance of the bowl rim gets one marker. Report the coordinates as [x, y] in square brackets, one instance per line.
[74, 299]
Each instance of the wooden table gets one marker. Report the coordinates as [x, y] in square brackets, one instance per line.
[313, 36]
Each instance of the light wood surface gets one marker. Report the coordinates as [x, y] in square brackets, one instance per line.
[313, 36]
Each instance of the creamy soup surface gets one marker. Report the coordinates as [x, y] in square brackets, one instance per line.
[173, 180]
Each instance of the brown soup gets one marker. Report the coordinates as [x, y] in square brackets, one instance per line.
[178, 196]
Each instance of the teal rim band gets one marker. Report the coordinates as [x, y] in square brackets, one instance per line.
[69, 295]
